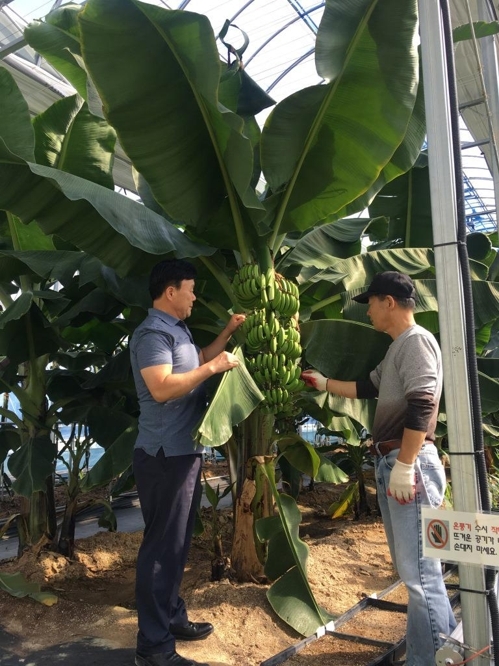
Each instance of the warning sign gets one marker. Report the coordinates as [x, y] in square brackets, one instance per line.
[458, 536]
[438, 534]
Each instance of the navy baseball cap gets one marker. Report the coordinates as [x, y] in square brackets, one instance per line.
[389, 283]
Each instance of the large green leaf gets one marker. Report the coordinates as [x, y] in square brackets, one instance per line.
[68, 137]
[299, 453]
[317, 248]
[358, 271]
[25, 332]
[31, 464]
[10, 440]
[88, 215]
[57, 39]
[163, 103]
[290, 595]
[406, 203]
[402, 160]
[96, 303]
[343, 349]
[489, 394]
[53, 264]
[15, 122]
[17, 586]
[122, 233]
[480, 29]
[326, 145]
[115, 460]
[329, 472]
[28, 236]
[236, 398]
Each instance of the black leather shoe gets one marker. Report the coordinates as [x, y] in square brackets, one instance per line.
[165, 659]
[192, 631]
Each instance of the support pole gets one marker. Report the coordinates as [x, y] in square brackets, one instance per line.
[475, 617]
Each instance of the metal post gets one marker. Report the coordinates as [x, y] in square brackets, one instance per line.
[451, 308]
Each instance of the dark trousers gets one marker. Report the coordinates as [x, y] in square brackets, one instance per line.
[169, 491]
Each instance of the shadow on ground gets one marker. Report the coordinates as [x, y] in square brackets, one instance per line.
[84, 652]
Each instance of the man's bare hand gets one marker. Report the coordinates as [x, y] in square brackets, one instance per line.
[235, 322]
[224, 361]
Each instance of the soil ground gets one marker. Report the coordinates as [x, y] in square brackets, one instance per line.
[349, 560]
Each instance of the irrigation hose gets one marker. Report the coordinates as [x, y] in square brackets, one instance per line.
[490, 574]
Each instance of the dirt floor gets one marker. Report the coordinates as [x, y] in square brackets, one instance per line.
[349, 561]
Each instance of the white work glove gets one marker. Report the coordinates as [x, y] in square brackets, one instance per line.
[315, 379]
[402, 482]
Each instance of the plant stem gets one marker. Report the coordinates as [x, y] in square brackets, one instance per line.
[324, 302]
[221, 278]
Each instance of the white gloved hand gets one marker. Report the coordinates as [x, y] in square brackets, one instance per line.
[315, 379]
[402, 482]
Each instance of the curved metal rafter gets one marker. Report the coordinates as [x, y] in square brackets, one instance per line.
[291, 68]
[282, 29]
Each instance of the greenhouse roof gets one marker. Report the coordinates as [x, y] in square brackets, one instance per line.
[280, 57]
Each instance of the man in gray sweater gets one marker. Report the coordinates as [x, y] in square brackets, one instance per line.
[409, 474]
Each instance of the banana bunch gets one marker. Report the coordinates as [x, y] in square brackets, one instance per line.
[272, 335]
[286, 299]
[254, 289]
[269, 369]
[248, 284]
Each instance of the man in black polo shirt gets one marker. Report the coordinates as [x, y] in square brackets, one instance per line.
[409, 474]
[169, 372]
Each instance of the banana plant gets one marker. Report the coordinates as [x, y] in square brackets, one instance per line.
[58, 305]
[178, 114]
[401, 236]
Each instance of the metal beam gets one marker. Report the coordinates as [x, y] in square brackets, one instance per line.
[14, 46]
[453, 341]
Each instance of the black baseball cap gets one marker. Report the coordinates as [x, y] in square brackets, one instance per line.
[389, 283]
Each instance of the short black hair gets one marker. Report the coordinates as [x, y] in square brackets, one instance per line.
[404, 303]
[169, 273]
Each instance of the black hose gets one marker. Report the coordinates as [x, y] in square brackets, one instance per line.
[490, 574]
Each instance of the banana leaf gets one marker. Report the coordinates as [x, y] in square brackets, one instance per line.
[68, 137]
[57, 39]
[31, 464]
[325, 145]
[17, 586]
[406, 203]
[343, 349]
[480, 29]
[342, 506]
[236, 398]
[163, 103]
[88, 215]
[290, 595]
[17, 323]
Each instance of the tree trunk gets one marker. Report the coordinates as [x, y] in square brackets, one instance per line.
[34, 523]
[254, 498]
[244, 561]
[66, 543]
